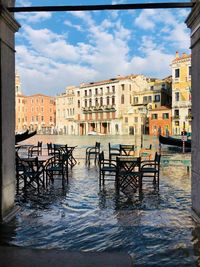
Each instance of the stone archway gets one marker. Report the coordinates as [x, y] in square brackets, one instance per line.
[8, 27]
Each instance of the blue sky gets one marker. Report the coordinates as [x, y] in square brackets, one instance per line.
[60, 49]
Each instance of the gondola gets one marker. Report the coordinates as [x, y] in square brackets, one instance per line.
[174, 141]
[23, 136]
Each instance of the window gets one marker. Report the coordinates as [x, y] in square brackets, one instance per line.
[90, 102]
[144, 99]
[85, 92]
[96, 91]
[108, 89]
[176, 113]
[126, 119]
[78, 93]
[177, 96]
[113, 100]
[165, 116]
[90, 92]
[107, 100]
[122, 87]
[122, 99]
[136, 119]
[79, 103]
[190, 71]
[96, 102]
[157, 98]
[149, 98]
[101, 101]
[113, 89]
[85, 103]
[135, 100]
[42, 118]
[177, 73]
[154, 116]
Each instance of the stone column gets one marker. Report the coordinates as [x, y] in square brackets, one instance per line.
[193, 22]
[8, 26]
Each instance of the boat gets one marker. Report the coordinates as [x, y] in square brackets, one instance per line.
[174, 141]
[23, 136]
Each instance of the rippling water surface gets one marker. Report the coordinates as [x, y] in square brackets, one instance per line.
[155, 228]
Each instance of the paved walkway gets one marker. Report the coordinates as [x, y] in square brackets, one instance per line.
[23, 257]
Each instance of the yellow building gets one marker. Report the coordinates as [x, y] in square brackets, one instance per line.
[157, 93]
[181, 94]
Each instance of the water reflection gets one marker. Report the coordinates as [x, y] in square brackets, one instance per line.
[154, 227]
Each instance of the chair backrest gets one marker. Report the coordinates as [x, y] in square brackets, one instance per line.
[97, 146]
[101, 157]
[50, 148]
[126, 150]
[128, 164]
[157, 158]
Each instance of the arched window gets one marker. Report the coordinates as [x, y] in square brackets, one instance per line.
[113, 100]
[122, 99]
[107, 100]
[101, 101]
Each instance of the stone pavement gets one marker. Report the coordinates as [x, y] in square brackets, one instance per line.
[24, 257]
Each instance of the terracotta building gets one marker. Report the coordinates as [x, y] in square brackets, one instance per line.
[35, 112]
[160, 121]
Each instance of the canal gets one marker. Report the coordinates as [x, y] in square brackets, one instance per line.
[155, 227]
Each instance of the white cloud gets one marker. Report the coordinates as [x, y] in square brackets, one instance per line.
[70, 24]
[48, 61]
[144, 20]
[33, 17]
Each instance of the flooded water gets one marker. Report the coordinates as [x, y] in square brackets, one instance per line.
[155, 227]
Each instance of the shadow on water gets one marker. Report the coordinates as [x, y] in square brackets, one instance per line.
[154, 227]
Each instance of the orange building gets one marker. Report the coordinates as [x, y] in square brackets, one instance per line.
[160, 121]
[40, 113]
[35, 112]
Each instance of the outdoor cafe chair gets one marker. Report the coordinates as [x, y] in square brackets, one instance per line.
[128, 174]
[30, 173]
[92, 151]
[35, 150]
[113, 151]
[107, 167]
[151, 169]
[57, 166]
[50, 150]
[126, 150]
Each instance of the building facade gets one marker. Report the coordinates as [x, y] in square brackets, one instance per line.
[35, 112]
[160, 121]
[181, 94]
[116, 106]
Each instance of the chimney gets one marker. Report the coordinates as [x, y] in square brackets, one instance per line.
[177, 54]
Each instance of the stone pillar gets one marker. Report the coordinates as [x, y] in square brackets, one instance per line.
[8, 26]
[193, 22]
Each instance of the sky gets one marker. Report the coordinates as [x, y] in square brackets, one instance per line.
[59, 49]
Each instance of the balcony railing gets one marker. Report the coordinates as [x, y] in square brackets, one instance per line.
[176, 117]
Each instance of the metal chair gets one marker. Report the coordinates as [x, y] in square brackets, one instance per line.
[127, 150]
[128, 175]
[35, 150]
[151, 169]
[92, 151]
[57, 165]
[106, 167]
[32, 174]
[113, 151]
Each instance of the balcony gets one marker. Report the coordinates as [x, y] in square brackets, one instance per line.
[188, 117]
[176, 117]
